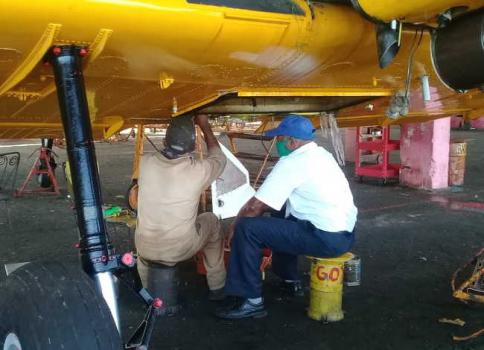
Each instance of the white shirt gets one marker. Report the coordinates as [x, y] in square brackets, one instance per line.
[315, 189]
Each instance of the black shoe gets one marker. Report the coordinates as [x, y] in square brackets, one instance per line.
[216, 294]
[243, 310]
[292, 288]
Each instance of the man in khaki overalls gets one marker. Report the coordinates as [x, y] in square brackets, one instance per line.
[170, 184]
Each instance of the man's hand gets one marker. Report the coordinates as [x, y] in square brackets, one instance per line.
[230, 235]
[201, 120]
[252, 208]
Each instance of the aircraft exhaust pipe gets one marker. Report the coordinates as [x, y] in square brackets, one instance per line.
[458, 52]
[387, 42]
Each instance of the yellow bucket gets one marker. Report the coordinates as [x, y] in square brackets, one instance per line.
[326, 295]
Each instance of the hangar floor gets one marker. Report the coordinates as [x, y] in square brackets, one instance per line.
[410, 243]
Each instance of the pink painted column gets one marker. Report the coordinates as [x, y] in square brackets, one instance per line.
[456, 122]
[424, 154]
[478, 123]
[349, 141]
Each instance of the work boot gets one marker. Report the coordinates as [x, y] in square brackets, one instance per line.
[292, 288]
[216, 294]
[244, 309]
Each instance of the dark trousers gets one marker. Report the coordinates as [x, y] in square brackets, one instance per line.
[287, 238]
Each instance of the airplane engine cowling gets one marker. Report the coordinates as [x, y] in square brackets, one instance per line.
[458, 52]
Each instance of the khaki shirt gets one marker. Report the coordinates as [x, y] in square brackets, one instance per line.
[168, 198]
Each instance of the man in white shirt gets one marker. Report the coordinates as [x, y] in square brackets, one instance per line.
[318, 220]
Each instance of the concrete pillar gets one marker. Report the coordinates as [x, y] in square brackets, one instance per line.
[478, 123]
[424, 154]
[349, 141]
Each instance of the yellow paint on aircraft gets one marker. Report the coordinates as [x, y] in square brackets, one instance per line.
[422, 11]
[151, 59]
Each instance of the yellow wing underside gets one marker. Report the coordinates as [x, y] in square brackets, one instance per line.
[151, 60]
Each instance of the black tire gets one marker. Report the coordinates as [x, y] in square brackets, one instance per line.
[54, 306]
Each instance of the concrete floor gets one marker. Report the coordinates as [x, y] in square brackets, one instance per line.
[410, 243]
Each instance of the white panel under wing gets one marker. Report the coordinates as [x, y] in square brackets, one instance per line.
[232, 189]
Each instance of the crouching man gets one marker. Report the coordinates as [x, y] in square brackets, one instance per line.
[168, 229]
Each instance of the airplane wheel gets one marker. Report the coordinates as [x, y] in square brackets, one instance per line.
[132, 196]
[53, 306]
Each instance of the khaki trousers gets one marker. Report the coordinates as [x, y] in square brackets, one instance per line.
[208, 239]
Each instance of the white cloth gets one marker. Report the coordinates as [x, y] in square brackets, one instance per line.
[315, 189]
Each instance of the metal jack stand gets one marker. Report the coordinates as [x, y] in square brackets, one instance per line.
[44, 167]
[96, 252]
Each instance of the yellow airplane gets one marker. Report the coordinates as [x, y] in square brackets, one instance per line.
[149, 60]
[84, 69]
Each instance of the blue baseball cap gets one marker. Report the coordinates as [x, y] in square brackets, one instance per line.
[295, 126]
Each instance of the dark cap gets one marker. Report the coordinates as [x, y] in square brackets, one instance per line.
[180, 134]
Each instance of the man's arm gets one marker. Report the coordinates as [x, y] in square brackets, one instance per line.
[202, 121]
[252, 208]
[214, 164]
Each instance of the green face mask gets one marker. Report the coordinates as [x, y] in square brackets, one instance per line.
[282, 149]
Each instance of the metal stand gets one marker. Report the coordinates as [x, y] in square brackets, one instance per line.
[43, 165]
[378, 141]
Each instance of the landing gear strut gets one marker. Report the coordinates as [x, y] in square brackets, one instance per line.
[97, 254]
[73, 310]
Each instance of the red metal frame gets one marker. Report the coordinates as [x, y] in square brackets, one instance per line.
[382, 145]
[44, 155]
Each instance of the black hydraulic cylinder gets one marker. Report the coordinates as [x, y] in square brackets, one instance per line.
[95, 247]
